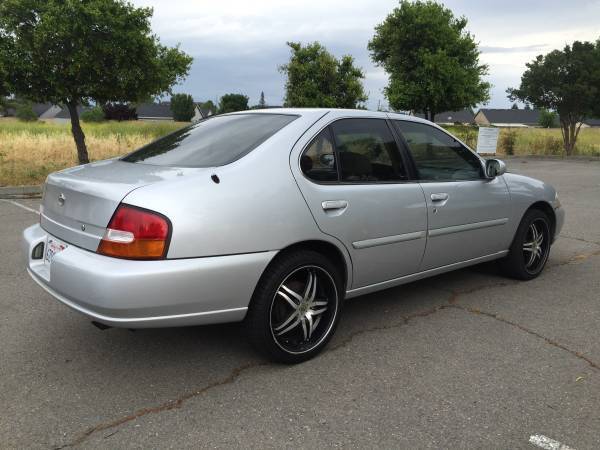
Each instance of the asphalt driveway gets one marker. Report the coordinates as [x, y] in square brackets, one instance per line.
[463, 360]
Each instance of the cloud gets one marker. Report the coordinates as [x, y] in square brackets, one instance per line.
[519, 49]
[237, 45]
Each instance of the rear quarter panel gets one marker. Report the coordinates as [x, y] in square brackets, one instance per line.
[255, 207]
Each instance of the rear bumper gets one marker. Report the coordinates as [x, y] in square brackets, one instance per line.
[146, 294]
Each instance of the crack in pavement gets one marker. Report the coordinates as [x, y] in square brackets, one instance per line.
[451, 302]
[576, 258]
[548, 340]
[166, 406]
[404, 320]
[234, 374]
[579, 239]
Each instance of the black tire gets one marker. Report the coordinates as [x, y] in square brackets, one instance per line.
[518, 263]
[274, 308]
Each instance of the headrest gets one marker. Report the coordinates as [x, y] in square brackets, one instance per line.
[355, 165]
[306, 163]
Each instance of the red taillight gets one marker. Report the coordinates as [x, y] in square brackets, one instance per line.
[136, 233]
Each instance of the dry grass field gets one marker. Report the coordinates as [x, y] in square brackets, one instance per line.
[534, 141]
[30, 151]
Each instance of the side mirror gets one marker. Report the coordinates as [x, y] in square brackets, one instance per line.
[494, 168]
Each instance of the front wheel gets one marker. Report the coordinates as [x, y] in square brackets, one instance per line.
[296, 307]
[531, 246]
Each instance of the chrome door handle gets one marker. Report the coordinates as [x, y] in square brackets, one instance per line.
[334, 204]
[439, 197]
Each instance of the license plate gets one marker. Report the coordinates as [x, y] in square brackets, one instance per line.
[53, 247]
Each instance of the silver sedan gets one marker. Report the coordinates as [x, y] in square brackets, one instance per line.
[275, 217]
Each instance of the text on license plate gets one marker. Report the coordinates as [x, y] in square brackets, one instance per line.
[53, 247]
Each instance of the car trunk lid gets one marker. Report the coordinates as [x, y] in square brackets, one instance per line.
[79, 202]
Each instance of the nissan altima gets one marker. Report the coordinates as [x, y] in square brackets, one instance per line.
[274, 217]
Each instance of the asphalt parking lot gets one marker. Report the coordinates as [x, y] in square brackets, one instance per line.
[463, 360]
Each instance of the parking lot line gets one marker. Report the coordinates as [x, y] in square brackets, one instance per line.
[541, 441]
[27, 208]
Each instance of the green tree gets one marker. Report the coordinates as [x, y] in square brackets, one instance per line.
[514, 106]
[25, 113]
[316, 78]
[547, 118]
[209, 105]
[261, 102]
[73, 52]
[566, 81]
[95, 114]
[183, 107]
[5, 101]
[432, 61]
[233, 102]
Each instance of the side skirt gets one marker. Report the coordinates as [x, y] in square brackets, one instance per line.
[420, 275]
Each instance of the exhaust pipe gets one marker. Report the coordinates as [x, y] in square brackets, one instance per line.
[100, 326]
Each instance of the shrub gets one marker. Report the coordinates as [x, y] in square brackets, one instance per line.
[183, 107]
[119, 111]
[25, 113]
[95, 114]
[548, 119]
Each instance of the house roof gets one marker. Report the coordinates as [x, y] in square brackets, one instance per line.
[205, 112]
[155, 110]
[592, 122]
[462, 116]
[64, 112]
[40, 108]
[523, 116]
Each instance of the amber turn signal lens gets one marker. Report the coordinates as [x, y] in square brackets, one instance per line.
[141, 249]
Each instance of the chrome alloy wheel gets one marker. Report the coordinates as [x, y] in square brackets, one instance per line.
[536, 245]
[303, 309]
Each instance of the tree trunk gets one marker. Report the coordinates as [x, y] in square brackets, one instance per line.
[78, 136]
[570, 126]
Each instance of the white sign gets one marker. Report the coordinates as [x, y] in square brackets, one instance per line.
[487, 140]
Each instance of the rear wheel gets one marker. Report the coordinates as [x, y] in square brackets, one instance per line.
[530, 249]
[296, 307]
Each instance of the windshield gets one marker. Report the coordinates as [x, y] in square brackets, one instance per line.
[212, 142]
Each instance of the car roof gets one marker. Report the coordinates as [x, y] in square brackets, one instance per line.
[337, 112]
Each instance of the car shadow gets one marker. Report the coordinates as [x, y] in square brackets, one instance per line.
[121, 370]
[228, 342]
[222, 342]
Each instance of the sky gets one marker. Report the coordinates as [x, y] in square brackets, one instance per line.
[238, 45]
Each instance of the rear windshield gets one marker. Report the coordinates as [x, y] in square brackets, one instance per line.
[212, 142]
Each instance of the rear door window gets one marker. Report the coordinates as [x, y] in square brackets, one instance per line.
[367, 151]
[212, 142]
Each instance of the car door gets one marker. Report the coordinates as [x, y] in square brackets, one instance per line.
[356, 184]
[467, 212]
